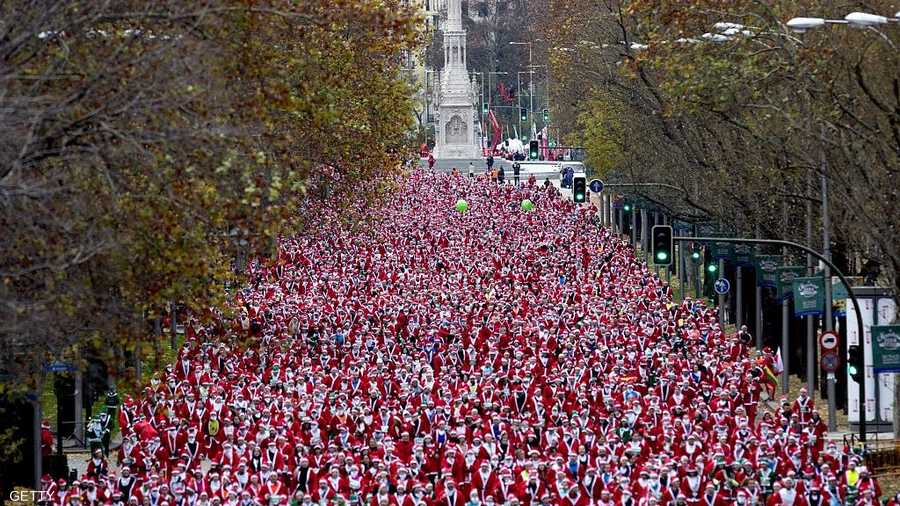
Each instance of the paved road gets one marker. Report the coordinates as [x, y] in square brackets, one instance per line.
[481, 166]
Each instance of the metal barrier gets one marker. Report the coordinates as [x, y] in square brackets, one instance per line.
[880, 454]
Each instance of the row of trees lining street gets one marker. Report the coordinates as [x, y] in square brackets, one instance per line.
[744, 117]
[147, 149]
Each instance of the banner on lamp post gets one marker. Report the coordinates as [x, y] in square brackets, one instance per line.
[767, 270]
[809, 296]
[886, 348]
[744, 255]
[786, 277]
[722, 251]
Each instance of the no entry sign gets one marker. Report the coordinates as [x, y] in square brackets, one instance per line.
[829, 341]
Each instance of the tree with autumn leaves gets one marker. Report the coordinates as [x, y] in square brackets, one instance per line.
[722, 101]
[148, 145]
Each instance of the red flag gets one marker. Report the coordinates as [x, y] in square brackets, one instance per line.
[505, 94]
[495, 139]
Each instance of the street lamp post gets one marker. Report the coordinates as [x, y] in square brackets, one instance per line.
[481, 105]
[490, 90]
[427, 104]
[519, 98]
[530, 79]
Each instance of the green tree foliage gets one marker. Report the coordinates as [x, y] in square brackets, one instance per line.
[144, 146]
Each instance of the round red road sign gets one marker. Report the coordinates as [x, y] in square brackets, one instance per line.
[829, 341]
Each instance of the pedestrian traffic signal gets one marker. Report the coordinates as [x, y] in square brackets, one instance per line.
[546, 116]
[662, 244]
[855, 362]
[533, 150]
[578, 189]
[523, 114]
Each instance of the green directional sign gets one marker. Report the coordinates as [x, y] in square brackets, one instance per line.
[786, 277]
[886, 348]
[744, 255]
[722, 250]
[809, 296]
[767, 270]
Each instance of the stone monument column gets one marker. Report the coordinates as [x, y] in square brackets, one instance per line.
[455, 137]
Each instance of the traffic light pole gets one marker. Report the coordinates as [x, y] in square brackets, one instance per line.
[785, 342]
[722, 319]
[840, 275]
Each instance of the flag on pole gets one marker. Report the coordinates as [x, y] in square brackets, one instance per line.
[505, 93]
[778, 365]
[545, 143]
[495, 125]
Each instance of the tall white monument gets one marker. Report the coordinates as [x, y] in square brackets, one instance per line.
[455, 135]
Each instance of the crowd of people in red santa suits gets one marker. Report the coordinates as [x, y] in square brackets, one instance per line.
[418, 356]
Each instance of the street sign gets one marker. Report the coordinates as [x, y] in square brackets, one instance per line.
[830, 361]
[786, 275]
[886, 348]
[767, 270]
[829, 341]
[60, 367]
[744, 255]
[809, 297]
[721, 250]
[596, 186]
[722, 286]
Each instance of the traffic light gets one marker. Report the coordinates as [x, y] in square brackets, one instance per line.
[712, 266]
[695, 254]
[484, 107]
[533, 150]
[662, 244]
[626, 207]
[855, 362]
[523, 114]
[578, 189]
[546, 116]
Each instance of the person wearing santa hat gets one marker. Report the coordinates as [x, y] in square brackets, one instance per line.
[786, 495]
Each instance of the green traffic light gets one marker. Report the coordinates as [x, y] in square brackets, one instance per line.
[712, 268]
[695, 255]
[851, 369]
[627, 207]
[662, 255]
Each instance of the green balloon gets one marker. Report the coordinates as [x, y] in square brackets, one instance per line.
[462, 206]
[527, 205]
